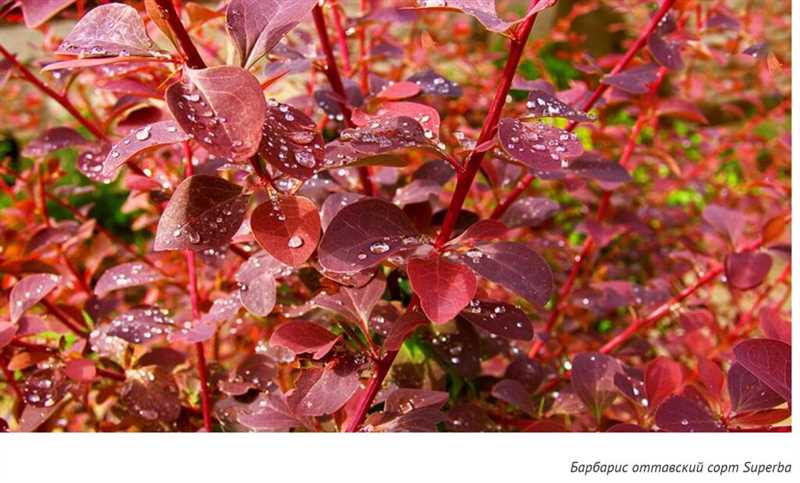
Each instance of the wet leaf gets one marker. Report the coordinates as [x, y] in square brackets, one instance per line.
[141, 325]
[37, 12]
[304, 337]
[499, 318]
[45, 388]
[204, 212]
[289, 230]
[399, 90]
[334, 203]
[514, 266]
[222, 107]
[746, 270]
[592, 166]
[540, 147]
[513, 392]
[544, 104]
[432, 83]
[593, 380]
[770, 361]
[152, 397]
[747, 393]
[290, 141]
[112, 30]
[54, 139]
[159, 134]
[662, 378]
[321, 392]
[386, 134]
[407, 323]
[364, 234]
[443, 287]
[404, 401]
[90, 163]
[636, 80]
[29, 291]
[125, 275]
[271, 412]
[529, 211]
[680, 414]
[665, 52]
[485, 11]
[256, 26]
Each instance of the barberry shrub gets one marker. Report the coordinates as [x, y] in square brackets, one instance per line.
[460, 215]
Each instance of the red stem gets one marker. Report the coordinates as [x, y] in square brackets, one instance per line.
[341, 37]
[335, 80]
[193, 58]
[473, 162]
[78, 330]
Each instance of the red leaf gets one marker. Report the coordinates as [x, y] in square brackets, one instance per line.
[112, 30]
[746, 270]
[37, 12]
[288, 230]
[406, 324]
[222, 107]
[662, 378]
[679, 414]
[443, 287]
[204, 212]
[513, 392]
[774, 325]
[290, 141]
[543, 104]
[399, 90]
[540, 147]
[747, 393]
[53, 140]
[29, 291]
[499, 318]
[161, 133]
[485, 11]
[302, 337]
[7, 333]
[770, 361]
[124, 276]
[593, 380]
[80, 370]
[321, 392]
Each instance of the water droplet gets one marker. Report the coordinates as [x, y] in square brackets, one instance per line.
[295, 242]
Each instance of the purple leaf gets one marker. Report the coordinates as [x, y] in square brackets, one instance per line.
[726, 221]
[53, 235]
[112, 30]
[499, 318]
[363, 299]
[321, 392]
[529, 211]
[162, 133]
[90, 163]
[592, 166]
[290, 141]
[417, 191]
[480, 231]
[747, 393]
[538, 146]
[222, 107]
[301, 337]
[665, 52]
[636, 80]
[152, 398]
[334, 203]
[593, 380]
[680, 414]
[514, 266]
[288, 229]
[29, 291]
[45, 388]
[443, 287]
[224, 308]
[387, 134]
[141, 325]
[124, 276]
[432, 83]
[485, 11]
[404, 401]
[543, 104]
[272, 413]
[7, 333]
[256, 26]
[459, 350]
[258, 294]
[526, 371]
[768, 360]
[204, 212]
[37, 12]
[364, 234]
[255, 372]
[774, 325]
[331, 103]
[513, 392]
[746, 270]
[53, 140]
[406, 324]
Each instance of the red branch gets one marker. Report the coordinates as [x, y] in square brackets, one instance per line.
[335, 80]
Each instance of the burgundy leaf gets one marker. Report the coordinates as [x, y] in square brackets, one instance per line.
[481, 230]
[513, 392]
[45, 388]
[363, 299]
[515, 267]
[301, 337]
[434, 84]
[112, 30]
[768, 360]
[593, 380]
[662, 378]
[29, 291]
[163, 357]
[364, 234]
[665, 52]
[90, 163]
[141, 325]
[499, 318]
[256, 26]
[290, 141]
[726, 221]
[747, 393]
[774, 325]
[443, 287]
[258, 294]
[529, 211]
[272, 413]
[37, 12]
[124, 276]
[426, 116]
[530, 373]
[223, 309]
[636, 80]
[53, 140]
[255, 372]
[544, 104]
[399, 90]
[80, 370]
[153, 135]
[334, 203]
[592, 166]
[406, 324]
[288, 229]
[152, 397]
[460, 349]
[679, 414]
[204, 212]
[538, 146]
[404, 401]
[321, 392]
[7, 333]
[485, 11]
[746, 270]
[53, 235]
[222, 107]
[387, 134]
[417, 191]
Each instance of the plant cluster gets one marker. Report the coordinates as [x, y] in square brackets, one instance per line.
[450, 215]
